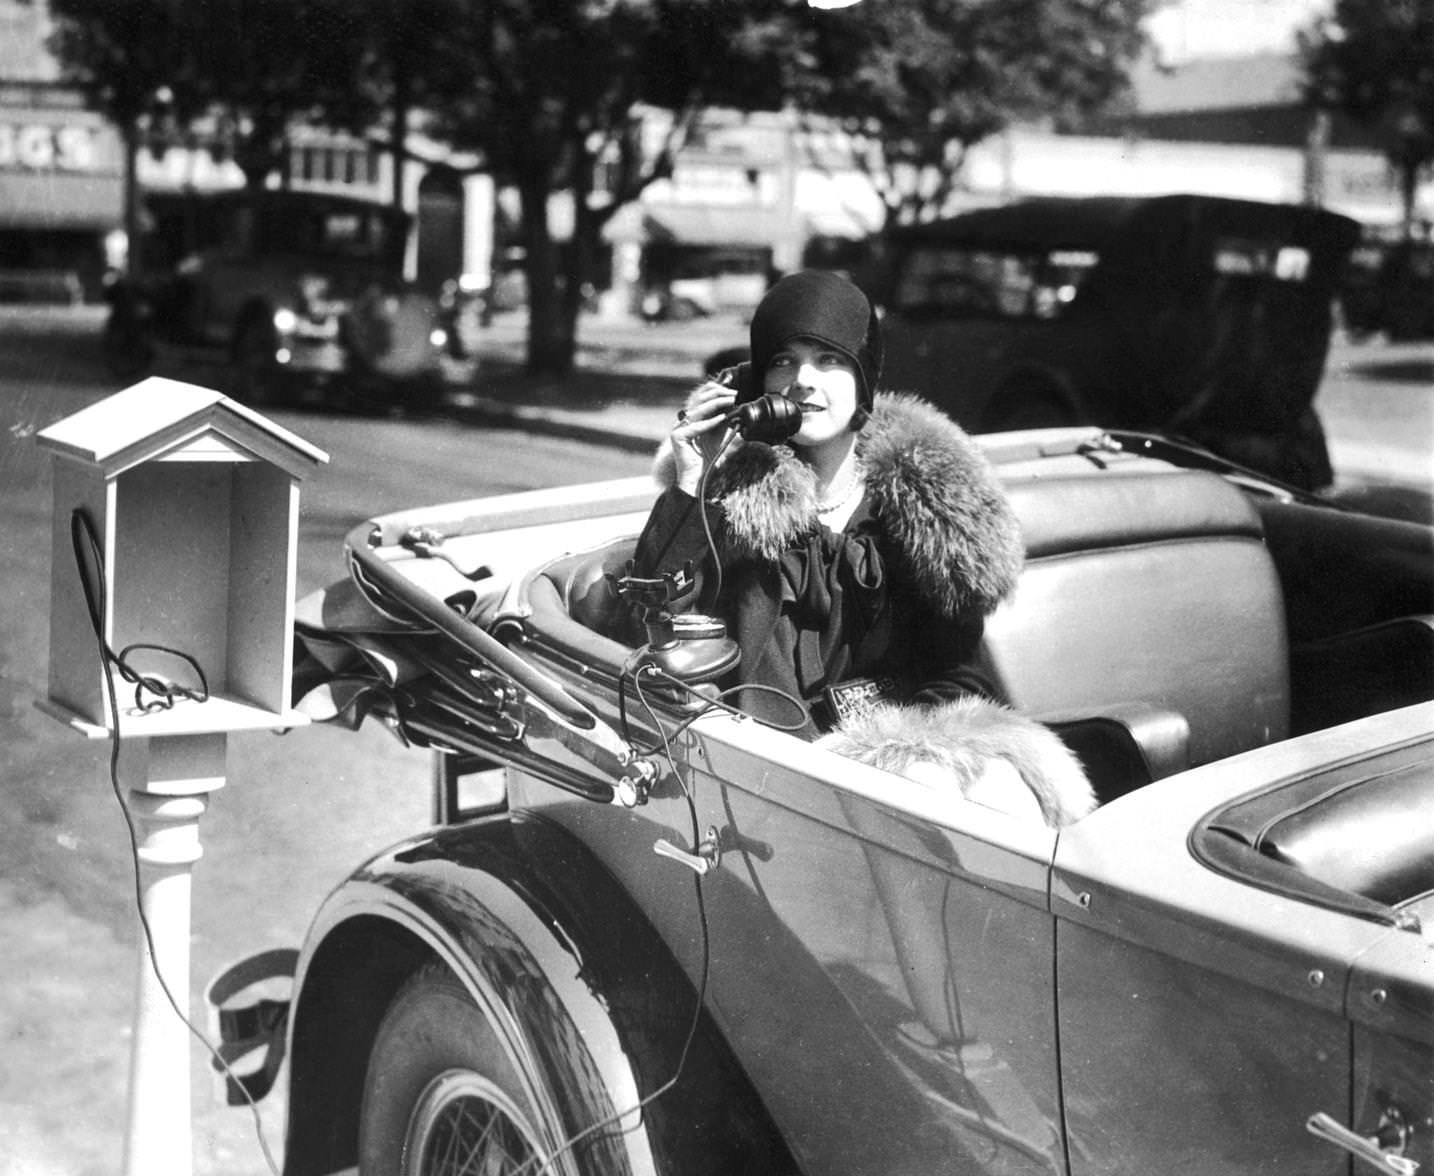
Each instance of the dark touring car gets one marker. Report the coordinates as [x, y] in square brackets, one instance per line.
[685, 942]
[1200, 316]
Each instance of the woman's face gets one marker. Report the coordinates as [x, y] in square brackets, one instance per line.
[821, 378]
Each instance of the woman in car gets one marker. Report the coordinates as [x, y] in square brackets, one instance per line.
[856, 561]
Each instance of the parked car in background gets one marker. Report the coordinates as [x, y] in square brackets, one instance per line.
[682, 941]
[1388, 287]
[687, 282]
[1200, 316]
[292, 290]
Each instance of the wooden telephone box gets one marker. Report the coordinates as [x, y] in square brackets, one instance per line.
[194, 501]
[176, 515]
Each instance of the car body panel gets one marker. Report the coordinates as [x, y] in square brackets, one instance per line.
[951, 1048]
[1154, 946]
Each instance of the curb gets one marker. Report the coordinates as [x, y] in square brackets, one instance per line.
[499, 414]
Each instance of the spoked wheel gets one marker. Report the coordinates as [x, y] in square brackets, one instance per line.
[464, 1125]
[442, 1096]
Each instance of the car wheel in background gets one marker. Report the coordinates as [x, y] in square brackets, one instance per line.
[127, 347]
[683, 310]
[1027, 405]
[442, 1092]
[255, 370]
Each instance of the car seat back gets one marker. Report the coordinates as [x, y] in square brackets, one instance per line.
[1151, 591]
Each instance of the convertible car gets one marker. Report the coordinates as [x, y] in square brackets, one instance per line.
[676, 940]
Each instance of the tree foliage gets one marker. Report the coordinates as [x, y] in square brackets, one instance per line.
[123, 56]
[1375, 62]
[558, 96]
[552, 93]
[234, 75]
[916, 84]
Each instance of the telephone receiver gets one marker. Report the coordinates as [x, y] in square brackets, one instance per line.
[771, 418]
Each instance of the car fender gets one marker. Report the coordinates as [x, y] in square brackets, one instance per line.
[568, 971]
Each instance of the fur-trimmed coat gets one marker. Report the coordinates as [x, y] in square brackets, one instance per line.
[902, 592]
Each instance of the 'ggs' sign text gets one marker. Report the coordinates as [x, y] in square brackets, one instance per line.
[41, 147]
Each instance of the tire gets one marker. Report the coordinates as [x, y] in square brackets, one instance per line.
[683, 310]
[127, 348]
[1026, 407]
[256, 372]
[440, 1083]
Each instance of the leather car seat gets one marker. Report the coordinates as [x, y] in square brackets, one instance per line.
[1148, 625]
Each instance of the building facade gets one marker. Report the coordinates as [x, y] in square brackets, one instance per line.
[749, 195]
[61, 170]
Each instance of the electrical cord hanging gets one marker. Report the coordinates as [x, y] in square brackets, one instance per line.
[92, 581]
[599, 1128]
[707, 522]
[86, 544]
[634, 673]
[717, 702]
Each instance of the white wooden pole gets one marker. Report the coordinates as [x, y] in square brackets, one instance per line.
[182, 771]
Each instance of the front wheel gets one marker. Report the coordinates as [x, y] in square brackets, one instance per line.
[442, 1096]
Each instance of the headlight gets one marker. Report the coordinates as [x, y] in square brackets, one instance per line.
[285, 320]
[438, 337]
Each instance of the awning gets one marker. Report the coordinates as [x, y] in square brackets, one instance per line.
[725, 225]
[60, 200]
[838, 222]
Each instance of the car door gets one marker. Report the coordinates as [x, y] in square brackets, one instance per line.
[1202, 1020]
[881, 955]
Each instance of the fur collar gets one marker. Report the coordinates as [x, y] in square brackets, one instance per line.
[929, 487]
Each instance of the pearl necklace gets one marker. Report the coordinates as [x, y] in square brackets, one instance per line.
[854, 487]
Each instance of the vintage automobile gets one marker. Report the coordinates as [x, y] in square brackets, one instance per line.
[1196, 315]
[1388, 286]
[296, 292]
[685, 942]
[1199, 316]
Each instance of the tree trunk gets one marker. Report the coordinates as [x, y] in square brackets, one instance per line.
[400, 124]
[134, 259]
[1408, 192]
[552, 332]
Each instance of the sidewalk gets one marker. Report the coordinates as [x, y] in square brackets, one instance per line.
[629, 379]
[635, 424]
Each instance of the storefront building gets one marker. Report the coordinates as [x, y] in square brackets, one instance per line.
[61, 172]
[750, 195]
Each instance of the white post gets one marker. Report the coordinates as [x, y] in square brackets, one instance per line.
[182, 771]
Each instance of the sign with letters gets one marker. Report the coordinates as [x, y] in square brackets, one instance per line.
[38, 146]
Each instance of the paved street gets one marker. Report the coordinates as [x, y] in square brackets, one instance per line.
[1377, 404]
[297, 811]
[301, 810]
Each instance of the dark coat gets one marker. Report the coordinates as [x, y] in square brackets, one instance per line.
[901, 593]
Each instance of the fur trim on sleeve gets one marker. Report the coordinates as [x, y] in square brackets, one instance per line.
[768, 494]
[931, 488]
[938, 499]
[959, 738]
